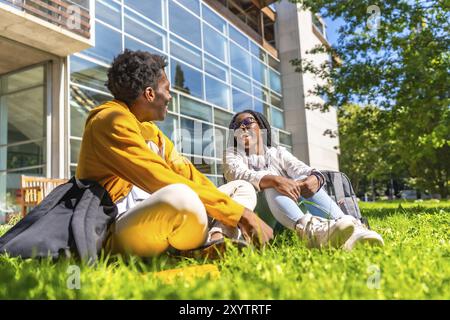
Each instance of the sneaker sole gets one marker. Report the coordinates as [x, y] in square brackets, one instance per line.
[341, 233]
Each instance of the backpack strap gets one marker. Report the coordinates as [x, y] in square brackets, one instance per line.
[338, 187]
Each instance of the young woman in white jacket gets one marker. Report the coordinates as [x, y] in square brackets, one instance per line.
[286, 181]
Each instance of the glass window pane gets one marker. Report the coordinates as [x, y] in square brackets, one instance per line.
[222, 118]
[23, 79]
[241, 82]
[173, 104]
[168, 126]
[186, 53]
[143, 30]
[214, 43]
[195, 109]
[261, 106]
[213, 19]
[259, 71]
[241, 101]
[10, 185]
[152, 9]
[137, 45]
[192, 5]
[196, 138]
[87, 73]
[221, 136]
[81, 102]
[184, 24]
[277, 119]
[274, 63]
[217, 92]
[275, 81]
[108, 11]
[276, 101]
[285, 138]
[186, 79]
[75, 146]
[240, 59]
[216, 69]
[260, 92]
[22, 116]
[238, 37]
[257, 51]
[23, 155]
[108, 44]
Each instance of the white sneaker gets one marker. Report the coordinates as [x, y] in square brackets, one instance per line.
[319, 232]
[362, 235]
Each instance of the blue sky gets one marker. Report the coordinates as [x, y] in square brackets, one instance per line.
[332, 27]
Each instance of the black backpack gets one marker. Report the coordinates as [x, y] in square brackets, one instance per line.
[339, 188]
[73, 220]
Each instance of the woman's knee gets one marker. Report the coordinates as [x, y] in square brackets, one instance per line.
[244, 193]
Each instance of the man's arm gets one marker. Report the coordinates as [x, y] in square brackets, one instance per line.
[120, 147]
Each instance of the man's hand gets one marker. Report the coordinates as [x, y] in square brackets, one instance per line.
[309, 186]
[253, 228]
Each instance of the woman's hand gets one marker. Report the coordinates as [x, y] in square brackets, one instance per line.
[288, 187]
[309, 186]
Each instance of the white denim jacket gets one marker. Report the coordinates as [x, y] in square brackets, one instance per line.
[275, 161]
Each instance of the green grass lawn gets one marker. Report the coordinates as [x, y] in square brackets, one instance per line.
[414, 264]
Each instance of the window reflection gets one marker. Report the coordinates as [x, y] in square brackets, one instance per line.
[214, 43]
[216, 69]
[196, 138]
[82, 101]
[186, 53]
[186, 79]
[275, 81]
[240, 59]
[213, 19]
[217, 92]
[109, 12]
[195, 109]
[241, 101]
[259, 71]
[152, 9]
[107, 45]
[184, 24]
[87, 73]
[277, 119]
[144, 31]
[238, 37]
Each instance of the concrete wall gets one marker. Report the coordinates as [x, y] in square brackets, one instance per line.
[295, 37]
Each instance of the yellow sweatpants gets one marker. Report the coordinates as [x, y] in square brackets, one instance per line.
[173, 215]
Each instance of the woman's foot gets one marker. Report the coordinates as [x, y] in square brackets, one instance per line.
[319, 232]
[362, 235]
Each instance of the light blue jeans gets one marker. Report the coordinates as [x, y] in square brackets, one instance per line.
[287, 212]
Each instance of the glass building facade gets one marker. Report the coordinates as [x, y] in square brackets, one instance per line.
[214, 68]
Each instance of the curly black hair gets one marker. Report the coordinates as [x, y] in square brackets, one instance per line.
[263, 123]
[133, 71]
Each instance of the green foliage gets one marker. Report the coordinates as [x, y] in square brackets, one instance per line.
[413, 265]
[402, 67]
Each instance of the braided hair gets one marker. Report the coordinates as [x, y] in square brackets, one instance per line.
[262, 123]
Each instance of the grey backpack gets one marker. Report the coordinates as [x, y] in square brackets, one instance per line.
[339, 188]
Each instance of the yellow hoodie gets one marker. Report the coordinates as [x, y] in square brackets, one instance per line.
[114, 152]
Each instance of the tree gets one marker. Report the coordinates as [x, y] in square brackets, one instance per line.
[179, 79]
[399, 61]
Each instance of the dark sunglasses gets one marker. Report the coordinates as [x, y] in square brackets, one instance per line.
[247, 123]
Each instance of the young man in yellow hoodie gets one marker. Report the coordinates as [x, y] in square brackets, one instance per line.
[163, 200]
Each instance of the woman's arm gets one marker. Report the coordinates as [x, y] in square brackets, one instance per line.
[235, 168]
